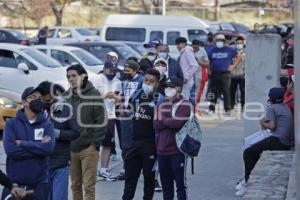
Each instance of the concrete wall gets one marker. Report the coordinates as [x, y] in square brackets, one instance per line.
[262, 73]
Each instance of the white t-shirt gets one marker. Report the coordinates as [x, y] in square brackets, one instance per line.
[103, 85]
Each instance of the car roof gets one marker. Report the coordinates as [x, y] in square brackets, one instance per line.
[69, 27]
[11, 46]
[94, 43]
[57, 47]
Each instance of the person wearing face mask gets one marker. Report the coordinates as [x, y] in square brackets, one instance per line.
[161, 66]
[188, 64]
[172, 163]
[151, 53]
[222, 63]
[141, 155]
[174, 70]
[64, 121]
[92, 120]
[28, 140]
[110, 89]
[238, 75]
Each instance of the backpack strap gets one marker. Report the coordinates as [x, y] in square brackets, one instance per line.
[176, 106]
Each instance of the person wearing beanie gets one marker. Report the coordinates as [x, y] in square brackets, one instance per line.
[110, 88]
[279, 123]
[92, 120]
[28, 141]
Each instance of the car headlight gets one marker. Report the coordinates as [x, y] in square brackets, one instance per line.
[8, 103]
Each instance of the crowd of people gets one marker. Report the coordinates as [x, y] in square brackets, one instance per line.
[60, 133]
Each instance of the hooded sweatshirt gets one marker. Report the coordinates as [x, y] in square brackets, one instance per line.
[27, 164]
[92, 117]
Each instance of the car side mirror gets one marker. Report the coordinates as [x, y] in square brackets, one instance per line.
[24, 67]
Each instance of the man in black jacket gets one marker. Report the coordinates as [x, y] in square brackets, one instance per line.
[174, 70]
[63, 118]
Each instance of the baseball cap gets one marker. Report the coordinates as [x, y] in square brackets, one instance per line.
[276, 94]
[113, 54]
[160, 60]
[28, 91]
[174, 82]
[220, 37]
[132, 65]
[152, 44]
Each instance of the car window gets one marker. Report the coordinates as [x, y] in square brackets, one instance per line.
[84, 31]
[126, 34]
[43, 51]
[100, 51]
[64, 33]
[126, 52]
[63, 57]
[41, 58]
[86, 57]
[7, 59]
[156, 35]
[20, 59]
[227, 27]
[18, 35]
[197, 35]
[172, 36]
[3, 36]
[50, 33]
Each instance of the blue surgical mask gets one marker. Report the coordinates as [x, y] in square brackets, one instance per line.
[147, 88]
[163, 55]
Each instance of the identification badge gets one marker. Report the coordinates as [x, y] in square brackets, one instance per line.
[38, 134]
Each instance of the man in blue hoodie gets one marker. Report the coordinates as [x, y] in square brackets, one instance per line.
[28, 141]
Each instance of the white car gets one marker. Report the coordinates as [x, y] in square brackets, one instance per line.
[22, 67]
[67, 55]
[63, 35]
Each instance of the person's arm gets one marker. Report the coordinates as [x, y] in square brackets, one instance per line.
[5, 180]
[270, 120]
[193, 65]
[99, 115]
[72, 132]
[181, 116]
[204, 61]
[237, 60]
[10, 146]
[43, 148]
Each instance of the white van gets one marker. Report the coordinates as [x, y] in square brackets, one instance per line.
[144, 28]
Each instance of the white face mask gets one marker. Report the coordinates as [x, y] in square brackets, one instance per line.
[220, 44]
[151, 58]
[162, 70]
[163, 55]
[239, 46]
[170, 92]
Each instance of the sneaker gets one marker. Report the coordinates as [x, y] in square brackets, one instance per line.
[157, 187]
[121, 177]
[240, 184]
[228, 113]
[105, 177]
[241, 191]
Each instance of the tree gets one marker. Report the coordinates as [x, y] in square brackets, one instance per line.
[58, 7]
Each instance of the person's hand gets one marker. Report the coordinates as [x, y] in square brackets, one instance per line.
[262, 121]
[230, 68]
[20, 193]
[46, 139]
[18, 142]
[110, 95]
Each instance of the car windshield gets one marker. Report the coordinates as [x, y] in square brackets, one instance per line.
[84, 31]
[86, 57]
[18, 34]
[127, 52]
[41, 58]
[138, 48]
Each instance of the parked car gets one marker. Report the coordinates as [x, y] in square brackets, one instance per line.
[228, 26]
[145, 28]
[138, 47]
[13, 36]
[231, 36]
[67, 55]
[21, 67]
[240, 27]
[10, 102]
[62, 35]
[100, 50]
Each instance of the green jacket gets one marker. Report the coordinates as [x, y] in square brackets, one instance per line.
[88, 116]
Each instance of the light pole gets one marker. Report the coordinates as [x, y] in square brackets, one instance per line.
[164, 7]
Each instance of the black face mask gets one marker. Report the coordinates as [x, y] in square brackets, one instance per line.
[36, 106]
[284, 81]
[110, 76]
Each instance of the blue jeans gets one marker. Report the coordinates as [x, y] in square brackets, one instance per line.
[59, 182]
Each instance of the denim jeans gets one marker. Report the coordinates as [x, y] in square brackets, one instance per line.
[59, 181]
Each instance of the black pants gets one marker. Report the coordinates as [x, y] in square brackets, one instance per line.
[252, 154]
[235, 83]
[220, 82]
[173, 168]
[141, 156]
